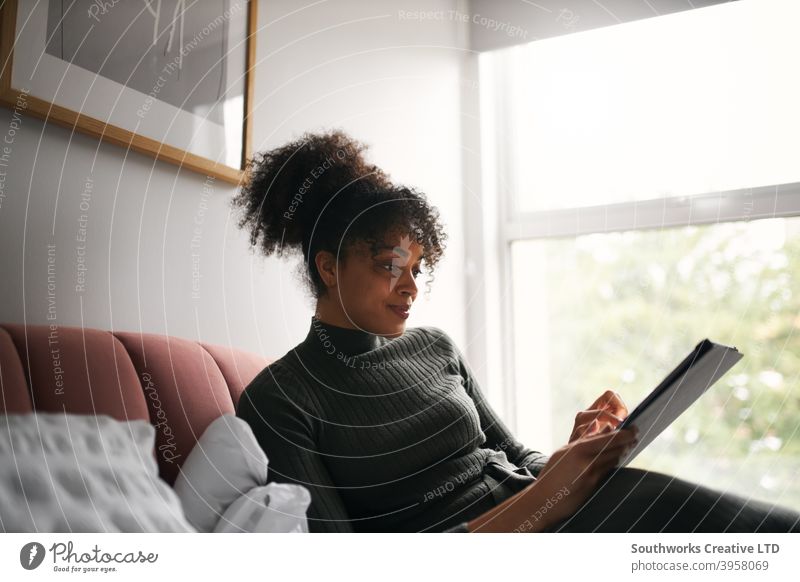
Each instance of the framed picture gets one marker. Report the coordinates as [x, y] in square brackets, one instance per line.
[168, 78]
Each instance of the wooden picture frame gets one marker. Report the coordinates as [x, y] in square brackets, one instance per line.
[125, 134]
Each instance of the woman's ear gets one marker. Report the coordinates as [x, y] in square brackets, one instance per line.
[326, 266]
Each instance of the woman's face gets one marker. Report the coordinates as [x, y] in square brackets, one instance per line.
[370, 291]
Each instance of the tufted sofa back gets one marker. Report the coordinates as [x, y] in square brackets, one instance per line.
[179, 385]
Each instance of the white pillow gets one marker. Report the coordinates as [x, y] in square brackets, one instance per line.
[226, 462]
[64, 472]
[226, 465]
[273, 508]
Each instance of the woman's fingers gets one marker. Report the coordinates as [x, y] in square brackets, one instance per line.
[588, 422]
[630, 432]
[598, 442]
[586, 429]
[601, 415]
[612, 402]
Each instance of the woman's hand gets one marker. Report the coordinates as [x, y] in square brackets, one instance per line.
[605, 413]
[575, 470]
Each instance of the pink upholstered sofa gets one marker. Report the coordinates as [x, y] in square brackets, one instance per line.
[179, 385]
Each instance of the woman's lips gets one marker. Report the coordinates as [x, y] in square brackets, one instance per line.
[402, 312]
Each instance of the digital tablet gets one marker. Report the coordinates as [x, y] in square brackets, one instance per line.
[706, 364]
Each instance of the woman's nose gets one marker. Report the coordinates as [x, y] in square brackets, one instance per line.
[407, 285]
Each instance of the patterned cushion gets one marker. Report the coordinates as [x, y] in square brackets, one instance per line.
[64, 472]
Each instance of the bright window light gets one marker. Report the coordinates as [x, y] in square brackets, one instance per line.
[688, 103]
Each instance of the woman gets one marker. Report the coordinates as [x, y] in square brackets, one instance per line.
[386, 426]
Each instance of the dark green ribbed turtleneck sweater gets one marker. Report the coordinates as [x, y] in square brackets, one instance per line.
[388, 434]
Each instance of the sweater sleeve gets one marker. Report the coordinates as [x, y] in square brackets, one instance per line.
[284, 426]
[498, 435]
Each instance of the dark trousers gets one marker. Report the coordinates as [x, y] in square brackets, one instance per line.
[635, 500]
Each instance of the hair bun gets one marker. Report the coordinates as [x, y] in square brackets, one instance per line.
[287, 188]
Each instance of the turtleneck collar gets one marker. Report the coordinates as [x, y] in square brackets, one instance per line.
[334, 340]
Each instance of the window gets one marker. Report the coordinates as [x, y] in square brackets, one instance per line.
[649, 197]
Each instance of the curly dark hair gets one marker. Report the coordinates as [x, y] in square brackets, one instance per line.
[318, 193]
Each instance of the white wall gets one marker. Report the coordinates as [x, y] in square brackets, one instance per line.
[389, 81]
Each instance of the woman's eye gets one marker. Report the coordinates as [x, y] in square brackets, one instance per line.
[391, 268]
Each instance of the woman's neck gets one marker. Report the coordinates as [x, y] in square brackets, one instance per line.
[347, 341]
